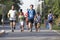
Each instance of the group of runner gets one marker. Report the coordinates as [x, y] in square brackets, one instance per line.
[31, 17]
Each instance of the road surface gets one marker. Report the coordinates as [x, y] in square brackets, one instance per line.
[17, 35]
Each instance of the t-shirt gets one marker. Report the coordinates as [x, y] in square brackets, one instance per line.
[31, 14]
[50, 16]
[21, 17]
[12, 14]
[38, 19]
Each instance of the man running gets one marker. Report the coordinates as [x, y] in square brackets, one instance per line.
[31, 15]
[50, 19]
[12, 17]
[37, 21]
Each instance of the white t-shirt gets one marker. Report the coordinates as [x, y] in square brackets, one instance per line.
[12, 14]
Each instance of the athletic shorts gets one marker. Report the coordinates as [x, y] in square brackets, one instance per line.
[21, 22]
[35, 24]
[50, 21]
[31, 21]
[12, 20]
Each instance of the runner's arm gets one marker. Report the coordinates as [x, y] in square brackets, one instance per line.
[8, 15]
[35, 15]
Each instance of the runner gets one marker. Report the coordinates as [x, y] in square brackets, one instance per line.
[50, 19]
[31, 15]
[37, 22]
[12, 17]
[26, 19]
[46, 23]
[21, 20]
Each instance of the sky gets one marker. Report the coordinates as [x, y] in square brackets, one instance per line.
[27, 3]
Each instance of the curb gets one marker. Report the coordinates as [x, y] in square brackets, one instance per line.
[2, 32]
[57, 31]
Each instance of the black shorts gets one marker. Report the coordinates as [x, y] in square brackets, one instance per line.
[12, 20]
[50, 21]
[35, 24]
[31, 21]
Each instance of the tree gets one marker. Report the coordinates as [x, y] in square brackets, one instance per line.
[16, 2]
[53, 5]
[8, 4]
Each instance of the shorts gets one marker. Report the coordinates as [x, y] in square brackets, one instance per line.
[12, 20]
[35, 24]
[50, 21]
[31, 21]
[21, 22]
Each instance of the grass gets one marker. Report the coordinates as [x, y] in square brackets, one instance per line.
[55, 27]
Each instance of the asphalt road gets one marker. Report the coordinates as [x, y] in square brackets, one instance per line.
[44, 34]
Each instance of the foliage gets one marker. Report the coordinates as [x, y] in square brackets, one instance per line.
[8, 4]
[53, 5]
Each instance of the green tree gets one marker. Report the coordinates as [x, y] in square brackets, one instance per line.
[53, 5]
[8, 4]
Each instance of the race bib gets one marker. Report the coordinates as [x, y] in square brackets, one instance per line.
[31, 15]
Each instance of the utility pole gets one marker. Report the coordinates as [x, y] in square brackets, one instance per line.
[40, 3]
